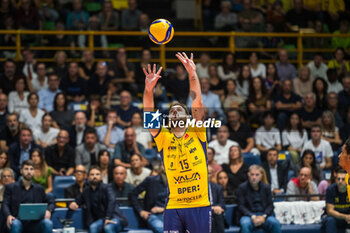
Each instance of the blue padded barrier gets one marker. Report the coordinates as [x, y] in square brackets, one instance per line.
[64, 213]
[60, 183]
[250, 159]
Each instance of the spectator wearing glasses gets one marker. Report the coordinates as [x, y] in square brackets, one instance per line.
[76, 189]
[7, 177]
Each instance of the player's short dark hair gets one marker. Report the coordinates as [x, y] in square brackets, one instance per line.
[27, 163]
[347, 146]
[180, 104]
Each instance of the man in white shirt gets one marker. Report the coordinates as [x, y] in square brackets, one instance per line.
[267, 136]
[46, 135]
[322, 148]
[317, 67]
[222, 145]
[137, 172]
[110, 134]
[203, 66]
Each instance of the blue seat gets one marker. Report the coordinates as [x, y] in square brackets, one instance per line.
[64, 213]
[284, 155]
[229, 211]
[250, 159]
[133, 221]
[60, 183]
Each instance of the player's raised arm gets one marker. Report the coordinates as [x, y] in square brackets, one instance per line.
[152, 77]
[195, 89]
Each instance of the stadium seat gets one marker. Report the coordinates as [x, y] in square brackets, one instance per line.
[64, 213]
[133, 221]
[60, 183]
[250, 159]
[283, 155]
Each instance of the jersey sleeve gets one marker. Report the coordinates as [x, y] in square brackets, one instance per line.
[159, 138]
[201, 133]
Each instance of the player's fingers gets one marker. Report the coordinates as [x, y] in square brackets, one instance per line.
[149, 69]
[160, 70]
[154, 68]
[179, 56]
[184, 54]
[144, 71]
[192, 56]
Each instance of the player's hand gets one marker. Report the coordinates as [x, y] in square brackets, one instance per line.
[10, 218]
[187, 62]
[145, 214]
[152, 77]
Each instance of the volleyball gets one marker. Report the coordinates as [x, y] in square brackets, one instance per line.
[161, 31]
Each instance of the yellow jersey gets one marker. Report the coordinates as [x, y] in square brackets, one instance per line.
[185, 163]
[347, 184]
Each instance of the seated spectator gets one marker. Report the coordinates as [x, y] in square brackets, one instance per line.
[4, 161]
[322, 148]
[178, 84]
[303, 84]
[298, 16]
[337, 210]
[61, 116]
[142, 136]
[60, 156]
[339, 63]
[104, 159]
[110, 133]
[303, 184]
[277, 173]
[3, 110]
[25, 191]
[286, 103]
[146, 57]
[317, 67]
[330, 132]
[123, 71]
[319, 88]
[151, 212]
[112, 99]
[46, 135]
[333, 84]
[102, 210]
[256, 68]
[218, 204]
[97, 83]
[124, 149]
[87, 68]
[222, 179]
[7, 78]
[39, 81]
[77, 19]
[29, 62]
[6, 177]
[310, 115]
[211, 101]
[42, 172]
[344, 97]
[267, 136]
[228, 69]
[78, 130]
[225, 20]
[137, 172]
[246, 25]
[10, 133]
[272, 80]
[76, 189]
[32, 116]
[95, 111]
[231, 99]
[236, 170]
[27, 16]
[202, 67]
[216, 84]
[212, 162]
[275, 15]
[271, 42]
[74, 86]
[130, 16]
[19, 150]
[332, 103]
[285, 70]
[255, 204]
[18, 98]
[248, 13]
[345, 131]
[47, 10]
[47, 95]
[222, 145]
[60, 66]
[108, 17]
[120, 188]
[341, 42]
[294, 136]
[87, 153]
[258, 100]
[125, 109]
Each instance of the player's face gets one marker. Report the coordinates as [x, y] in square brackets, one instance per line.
[255, 177]
[344, 159]
[176, 113]
[340, 181]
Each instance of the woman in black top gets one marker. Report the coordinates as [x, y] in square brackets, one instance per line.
[236, 169]
[62, 117]
[320, 88]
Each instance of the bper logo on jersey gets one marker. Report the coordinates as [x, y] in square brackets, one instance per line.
[151, 120]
